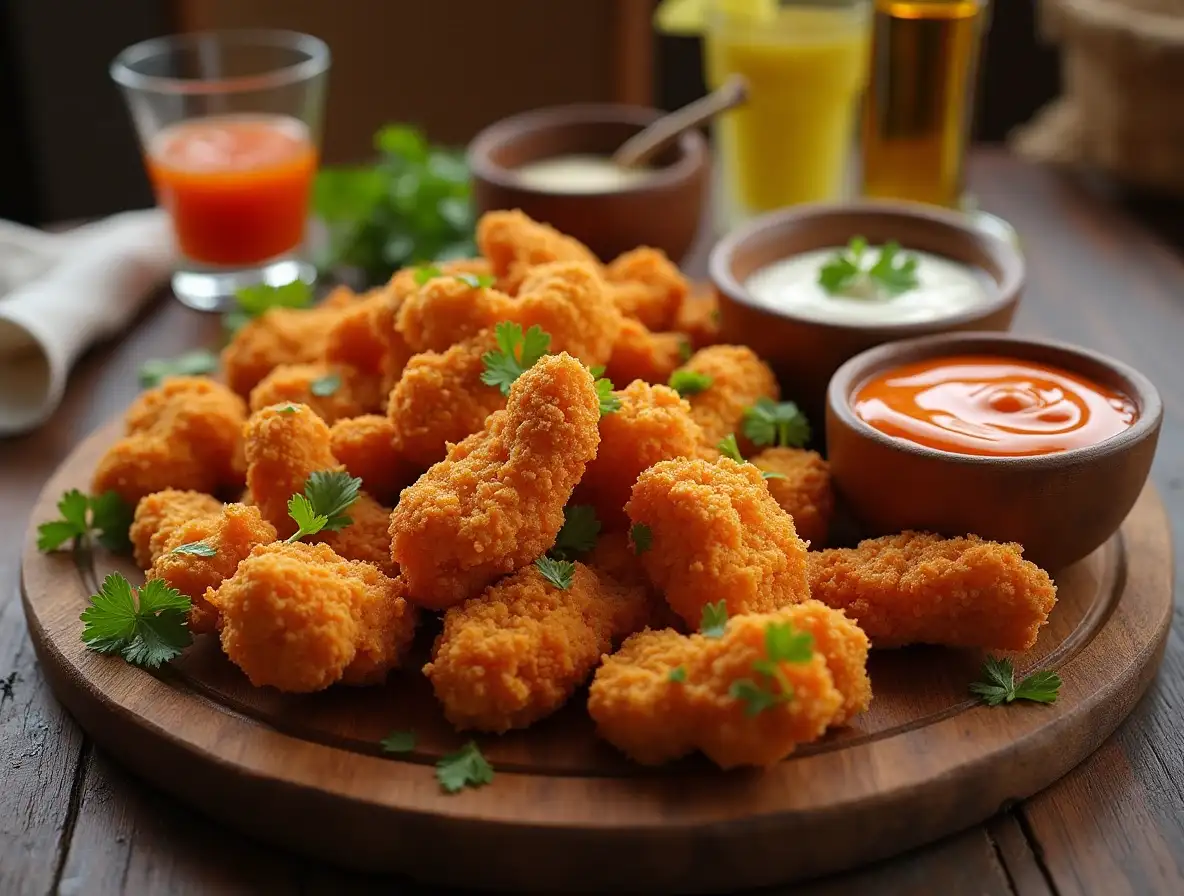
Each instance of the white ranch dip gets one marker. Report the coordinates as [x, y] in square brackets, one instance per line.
[579, 174]
[944, 288]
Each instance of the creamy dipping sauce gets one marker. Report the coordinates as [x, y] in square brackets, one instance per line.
[580, 174]
[944, 288]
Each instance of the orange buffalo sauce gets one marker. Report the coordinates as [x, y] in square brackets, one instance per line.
[237, 187]
[989, 405]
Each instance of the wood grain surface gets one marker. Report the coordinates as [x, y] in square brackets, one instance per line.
[73, 822]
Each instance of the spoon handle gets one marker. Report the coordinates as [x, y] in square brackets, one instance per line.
[642, 146]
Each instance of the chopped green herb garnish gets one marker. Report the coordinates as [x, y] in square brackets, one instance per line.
[847, 272]
[423, 274]
[464, 768]
[146, 632]
[689, 382]
[324, 386]
[776, 423]
[609, 403]
[678, 674]
[642, 537]
[998, 684]
[558, 572]
[477, 281]
[578, 535]
[254, 300]
[516, 353]
[105, 518]
[328, 494]
[715, 619]
[196, 548]
[398, 742]
[783, 644]
[195, 363]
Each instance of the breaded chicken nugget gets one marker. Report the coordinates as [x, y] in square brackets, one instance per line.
[281, 336]
[647, 286]
[698, 317]
[232, 534]
[738, 379]
[357, 337]
[447, 310]
[717, 534]
[639, 354]
[570, 301]
[440, 398]
[652, 424]
[366, 445]
[185, 434]
[159, 513]
[517, 652]
[300, 618]
[804, 493]
[367, 538]
[663, 695]
[405, 281]
[496, 502]
[514, 244]
[615, 559]
[333, 391]
[919, 588]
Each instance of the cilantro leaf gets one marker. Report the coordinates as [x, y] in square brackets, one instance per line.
[257, 298]
[578, 535]
[783, 644]
[308, 521]
[689, 382]
[106, 517]
[642, 537]
[677, 674]
[73, 507]
[285, 409]
[398, 742]
[515, 354]
[464, 768]
[428, 272]
[558, 572]
[715, 619]
[328, 494]
[772, 474]
[998, 684]
[772, 423]
[477, 281]
[843, 268]
[111, 517]
[894, 272]
[609, 403]
[147, 634]
[324, 386]
[728, 448]
[1040, 687]
[756, 698]
[196, 548]
[195, 363]
[597, 371]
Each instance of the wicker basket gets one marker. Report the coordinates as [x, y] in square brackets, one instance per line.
[1123, 105]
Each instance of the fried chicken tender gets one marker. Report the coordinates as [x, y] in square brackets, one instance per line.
[643, 712]
[571, 302]
[514, 244]
[738, 379]
[281, 336]
[919, 588]
[495, 503]
[652, 424]
[349, 392]
[185, 434]
[159, 513]
[698, 317]
[717, 534]
[446, 310]
[517, 652]
[300, 618]
[639, 354]
[358, 338]
[440, 399]
[647, 286]
[232, 534]
[805, 492]
[366, 446]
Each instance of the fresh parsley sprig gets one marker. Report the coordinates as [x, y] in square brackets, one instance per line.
[776, 423]
[690, 382]
[678, 674]
[145, 629]
[195, 363]
[324, 386]
[103, 518]
[260, 297]
[328, 494]
[783, 644]
[516, 353]
[730, 449]
[558, 572]
[578, 535]
[715, 619]
[464, 768]
[998, 684]
[196, 549]
[474, 281]
[398, 742]
[893, 272]
[642, 537]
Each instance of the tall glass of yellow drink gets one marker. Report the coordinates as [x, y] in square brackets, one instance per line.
[806, 63]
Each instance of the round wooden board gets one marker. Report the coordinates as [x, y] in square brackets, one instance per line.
[565, 812]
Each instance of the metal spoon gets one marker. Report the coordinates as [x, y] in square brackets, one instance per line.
[642, 146]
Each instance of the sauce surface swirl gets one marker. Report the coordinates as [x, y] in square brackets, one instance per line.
[992, 405]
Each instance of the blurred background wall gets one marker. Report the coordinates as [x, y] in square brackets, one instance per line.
[451, 66]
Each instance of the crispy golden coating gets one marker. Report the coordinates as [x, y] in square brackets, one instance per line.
[445, 311]
[645, 285]
[233, 534]
[159, 513]
[366, 445]
[185, 434]
[698, 317]
[281, 336]
[614, 559]
[717, 534]
[643, 712]
[403, 283]
[514, 244]
[570, 301]
[805, 493]
[639, 354]
[348, 391]
[299, 618]
[357, 337]
[496, 502]
[738, 379]
[919, 588]
[652, 424]
[440, 398]
[517, 652]
[367, 538]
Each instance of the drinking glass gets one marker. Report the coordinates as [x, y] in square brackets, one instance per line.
[229, 123]
[805, 63]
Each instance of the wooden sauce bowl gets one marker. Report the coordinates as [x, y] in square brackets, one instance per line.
[1060, 507]
[662, 211]
[805, 353]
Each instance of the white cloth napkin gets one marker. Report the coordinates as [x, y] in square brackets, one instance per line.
[61, 292]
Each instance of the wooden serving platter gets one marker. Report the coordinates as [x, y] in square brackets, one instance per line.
[565, 812]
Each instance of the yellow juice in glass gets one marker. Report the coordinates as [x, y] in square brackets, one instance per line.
[806, 66]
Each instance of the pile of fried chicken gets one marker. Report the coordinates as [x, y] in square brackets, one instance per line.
[464, 488]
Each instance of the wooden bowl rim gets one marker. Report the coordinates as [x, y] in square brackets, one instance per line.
[692, 146]
[1007, 257]
[858, 369]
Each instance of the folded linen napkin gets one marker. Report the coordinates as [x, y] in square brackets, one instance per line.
[61, 292]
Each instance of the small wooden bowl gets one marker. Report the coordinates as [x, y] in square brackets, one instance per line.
[663, 211]
[1060, 507]
[805, 353]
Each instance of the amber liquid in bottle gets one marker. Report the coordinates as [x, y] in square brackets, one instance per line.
[920, 99]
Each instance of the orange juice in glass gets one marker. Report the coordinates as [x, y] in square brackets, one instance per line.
[229, 123]
[805, 62]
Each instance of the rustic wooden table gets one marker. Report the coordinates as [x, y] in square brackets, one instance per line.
[73, 822]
